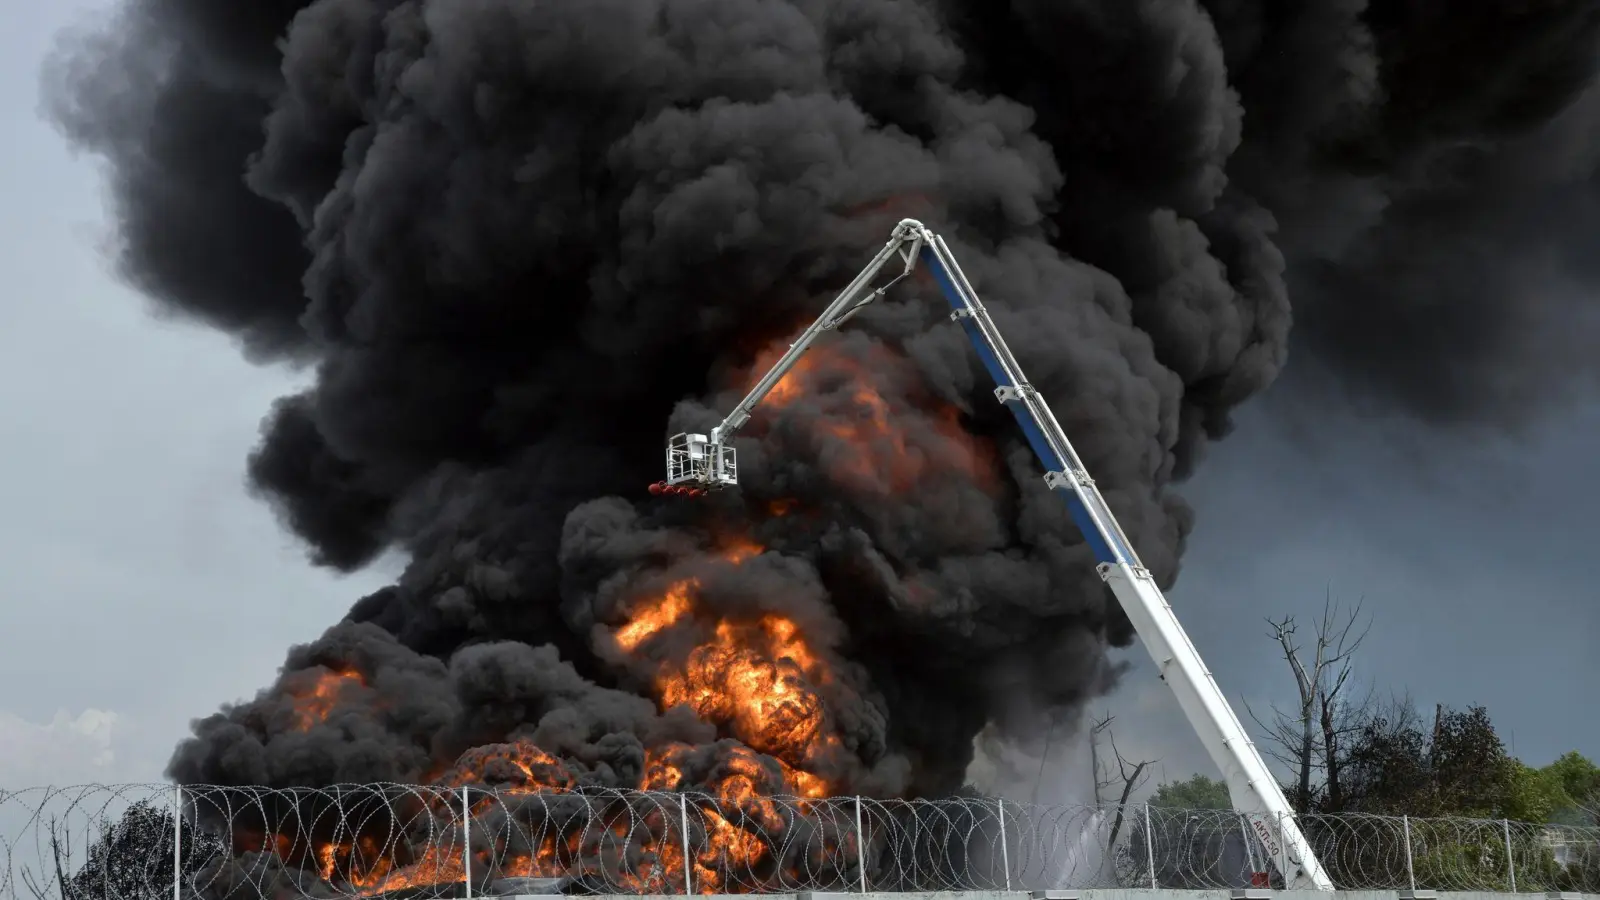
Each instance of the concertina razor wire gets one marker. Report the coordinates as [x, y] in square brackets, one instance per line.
[122, 842]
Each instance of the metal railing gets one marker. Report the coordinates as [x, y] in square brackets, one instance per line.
[121, 842]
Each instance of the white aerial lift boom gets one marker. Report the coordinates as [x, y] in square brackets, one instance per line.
[697, 463]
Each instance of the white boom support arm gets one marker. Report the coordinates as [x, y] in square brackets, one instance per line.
[698, 463]
[708, 464]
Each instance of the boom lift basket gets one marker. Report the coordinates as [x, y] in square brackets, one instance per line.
[693, 459]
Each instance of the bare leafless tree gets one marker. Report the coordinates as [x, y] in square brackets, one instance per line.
[1129, 775]
[1308, 738]
[60, 856]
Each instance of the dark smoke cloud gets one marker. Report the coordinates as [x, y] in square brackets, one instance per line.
[1426, 170]
[1440, 200]
[174, 98]
[516, 239]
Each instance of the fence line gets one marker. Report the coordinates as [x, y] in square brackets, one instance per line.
[122, 842]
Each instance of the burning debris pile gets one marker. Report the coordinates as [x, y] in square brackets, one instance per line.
[376, 840]
[519, 242]
[372, 840]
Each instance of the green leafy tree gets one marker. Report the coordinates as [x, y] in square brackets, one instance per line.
[1472, 772]
[1579, 780]
[1536, 795]
[1188, 843]
[1457, 767]
[1386, 764]
[1198, 792]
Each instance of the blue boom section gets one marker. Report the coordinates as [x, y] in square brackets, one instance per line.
[1101, 542]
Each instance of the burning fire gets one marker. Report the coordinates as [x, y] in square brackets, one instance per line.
[756, 678]
[364, 866]
[517, 767]
[313, 703]
[675, 603]
[865, 443]
[729, 844]
[657, 616]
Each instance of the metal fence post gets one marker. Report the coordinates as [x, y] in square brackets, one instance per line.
[683, 825]
[1411, 871]
[1005, 852]
[177, 842]
[1281, 861]
[861, 846]
[1150, 846]
[1248, 843]
[1511, 864]
[466, 841]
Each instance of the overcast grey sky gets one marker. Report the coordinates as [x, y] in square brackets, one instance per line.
[143, 587]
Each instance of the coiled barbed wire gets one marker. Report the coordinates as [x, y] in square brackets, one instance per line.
[123, 842]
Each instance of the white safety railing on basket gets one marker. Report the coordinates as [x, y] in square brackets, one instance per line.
[123, 842]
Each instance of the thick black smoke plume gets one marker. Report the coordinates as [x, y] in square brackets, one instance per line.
[516, 238]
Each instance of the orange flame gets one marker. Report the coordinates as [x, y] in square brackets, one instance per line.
[738, 549]
[315, 702]
[657, 616]
[363, 865]
[665, 611]
[869, 444]
[739, 814]
[753, 679]
[756, 678]
[517, 768]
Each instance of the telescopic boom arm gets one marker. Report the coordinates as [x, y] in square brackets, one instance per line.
[697, 463]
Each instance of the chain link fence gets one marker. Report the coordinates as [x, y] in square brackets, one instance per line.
[123, 842]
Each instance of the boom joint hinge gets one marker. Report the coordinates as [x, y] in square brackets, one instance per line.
[1068, 479]
[1109, 570]
[1011, 393]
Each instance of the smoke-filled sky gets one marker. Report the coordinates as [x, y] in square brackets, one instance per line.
[149, 586]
